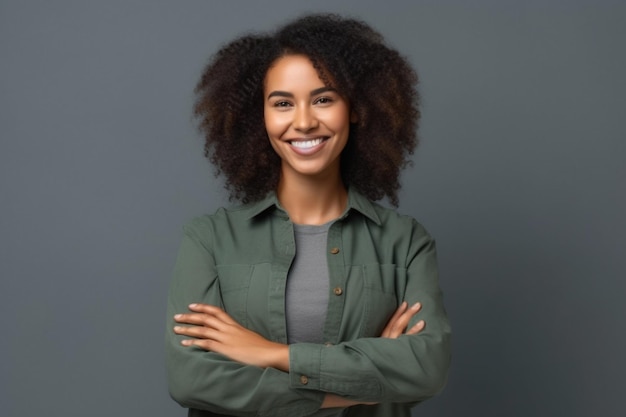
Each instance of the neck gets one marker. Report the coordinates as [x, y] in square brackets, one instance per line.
[312, 200]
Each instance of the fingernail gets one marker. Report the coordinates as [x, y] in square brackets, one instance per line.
[192, 305]
[178, 316]
[416, 305]
[185, 342]
[177, 328]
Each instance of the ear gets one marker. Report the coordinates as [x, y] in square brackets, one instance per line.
[353, 117]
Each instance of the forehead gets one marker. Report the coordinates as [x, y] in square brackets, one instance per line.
[292, 71]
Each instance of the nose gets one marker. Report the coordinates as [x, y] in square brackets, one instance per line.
[304, 119]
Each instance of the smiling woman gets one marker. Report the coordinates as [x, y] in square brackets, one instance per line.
[310, 299]
[307, 124]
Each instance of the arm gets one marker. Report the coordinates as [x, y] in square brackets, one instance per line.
[206, 380]
[407, 369]
[212, 329]
[215, 331]
[363, 368]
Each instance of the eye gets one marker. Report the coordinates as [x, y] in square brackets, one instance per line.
[282, 103]
[323, 100]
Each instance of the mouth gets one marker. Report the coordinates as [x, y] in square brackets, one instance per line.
[307, 144]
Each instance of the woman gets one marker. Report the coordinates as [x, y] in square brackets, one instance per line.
[309, 299]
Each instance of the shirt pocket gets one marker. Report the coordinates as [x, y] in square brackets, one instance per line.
[235, 285]
[380, 297]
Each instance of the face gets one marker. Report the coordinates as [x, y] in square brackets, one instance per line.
[307, 122]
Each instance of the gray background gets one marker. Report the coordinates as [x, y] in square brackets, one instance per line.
[520, 176]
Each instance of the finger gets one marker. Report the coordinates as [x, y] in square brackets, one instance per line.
[415, 308]
[192, 318]
[400, 324]
[403, 320]
[417, 327]
[199, 332]
[387, 330]
[203, 308]
[200, 319]
[206, 344]
[212, 310]
[408, 315]
[399, 311]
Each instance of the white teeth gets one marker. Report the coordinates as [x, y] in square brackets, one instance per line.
[305, 144]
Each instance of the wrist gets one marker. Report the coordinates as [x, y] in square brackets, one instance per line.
[278, 357]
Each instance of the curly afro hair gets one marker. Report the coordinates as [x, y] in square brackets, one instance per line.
[351, 57]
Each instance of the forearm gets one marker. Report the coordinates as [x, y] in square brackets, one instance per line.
[407, 369]
[205, 380]
[411, 368]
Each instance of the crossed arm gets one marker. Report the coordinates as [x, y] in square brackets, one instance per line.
[365, 370]
[212, 329]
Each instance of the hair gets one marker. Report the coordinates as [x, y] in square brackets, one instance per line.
[350, 56]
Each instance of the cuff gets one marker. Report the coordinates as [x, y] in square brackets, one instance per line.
[328, 369]
[305, 361]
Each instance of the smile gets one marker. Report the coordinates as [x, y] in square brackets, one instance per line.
[306, 144]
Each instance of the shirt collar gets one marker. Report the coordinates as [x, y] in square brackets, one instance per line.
[360, 203]
[356, 201]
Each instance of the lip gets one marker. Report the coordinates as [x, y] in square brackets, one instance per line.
[309, 150]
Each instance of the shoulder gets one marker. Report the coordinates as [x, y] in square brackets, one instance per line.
[222, 216]
[386, 223]
[405, 227]
[228, 220]
[393, 237]
[390, 221]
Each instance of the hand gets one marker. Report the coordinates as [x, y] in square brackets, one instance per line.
[400, 320]
[214, 330]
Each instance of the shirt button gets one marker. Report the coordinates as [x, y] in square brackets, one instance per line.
[334, 251]
[304, 380]
[338, 291]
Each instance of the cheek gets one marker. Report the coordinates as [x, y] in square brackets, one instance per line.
[274, 124]
[340, 122]
[338, 118]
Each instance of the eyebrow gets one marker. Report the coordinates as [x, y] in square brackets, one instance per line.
[290, 95]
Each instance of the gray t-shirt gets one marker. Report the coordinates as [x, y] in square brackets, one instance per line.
[306, 299]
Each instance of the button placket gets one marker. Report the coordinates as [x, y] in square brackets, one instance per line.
[337, 270]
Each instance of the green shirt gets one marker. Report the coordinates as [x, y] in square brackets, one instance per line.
[239, 259]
